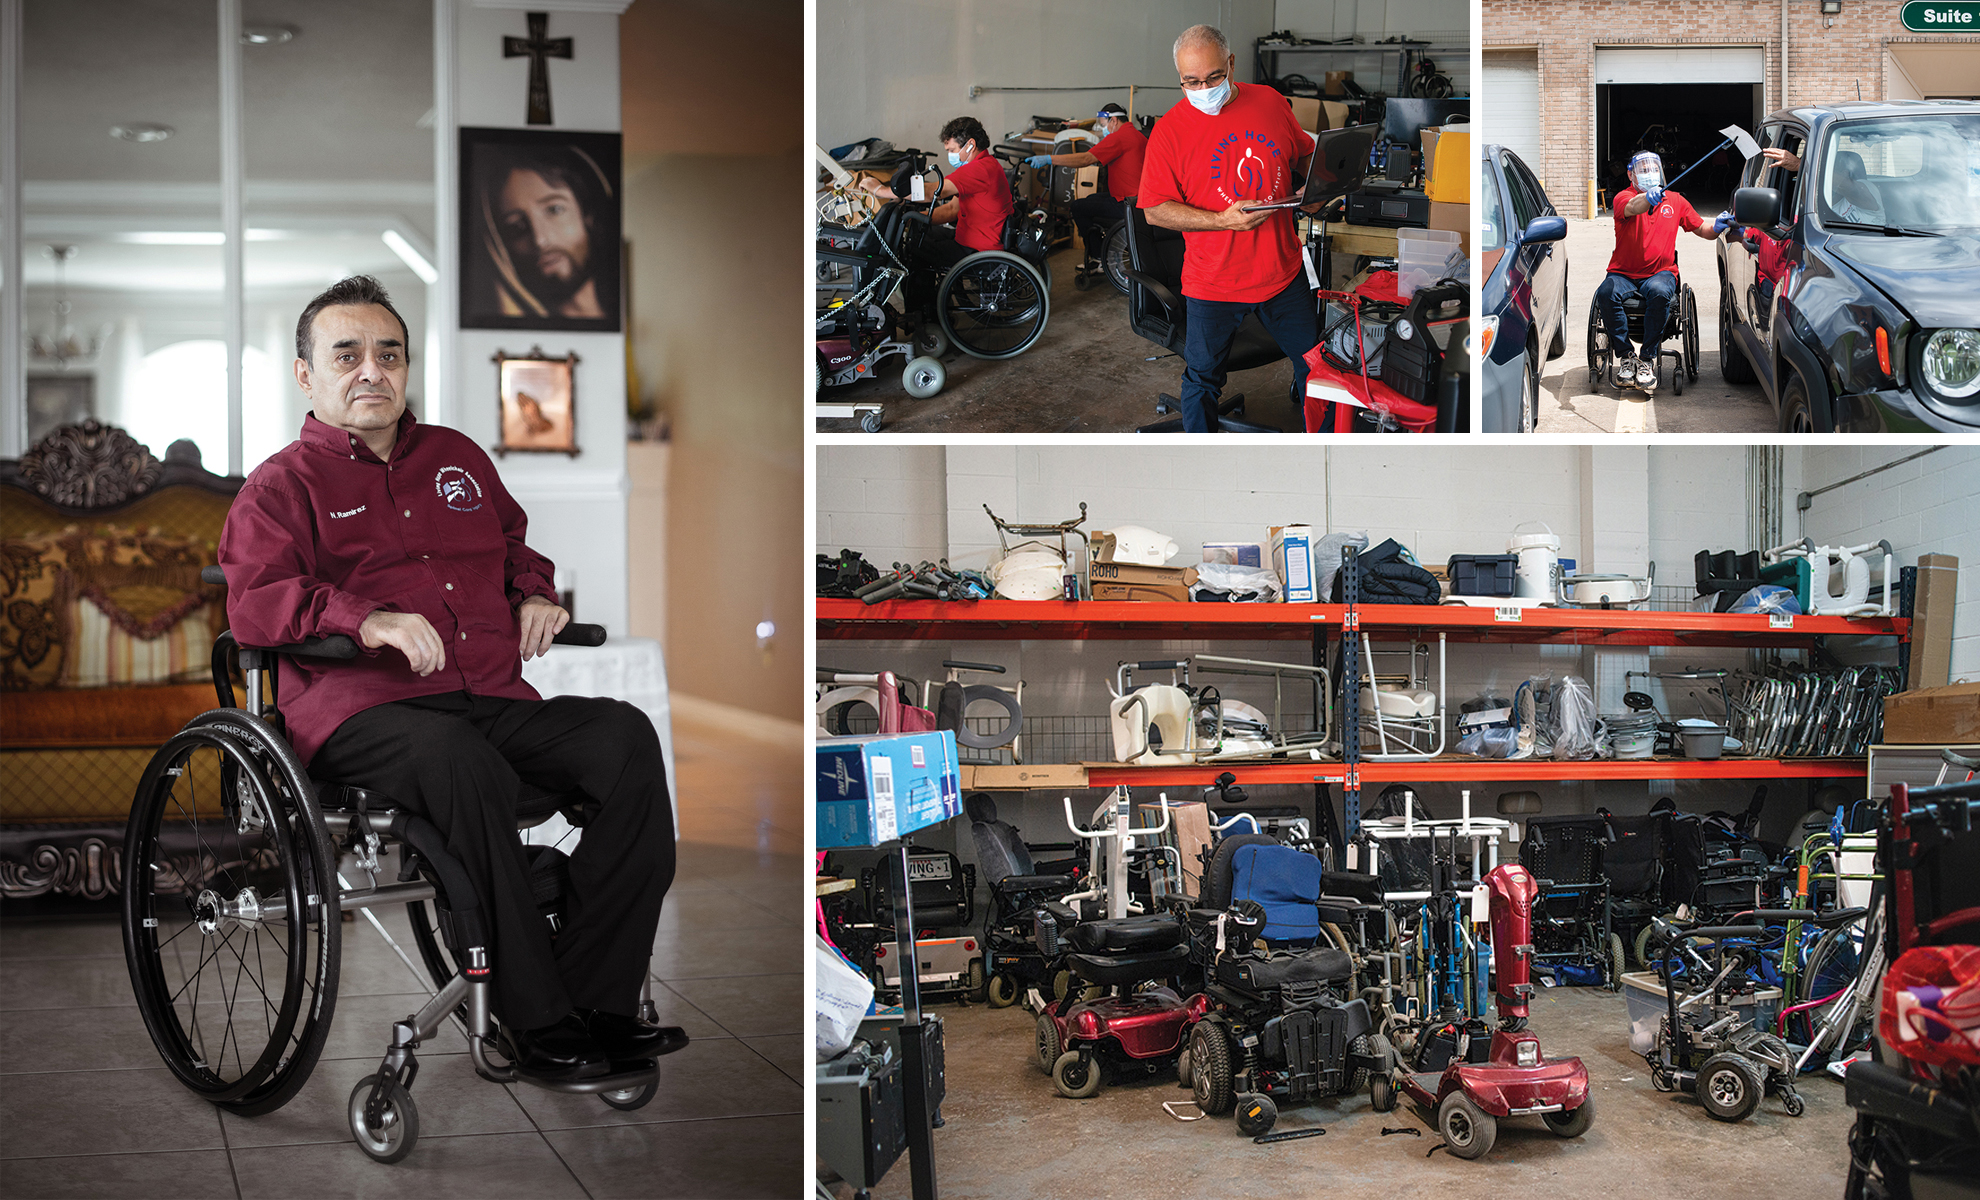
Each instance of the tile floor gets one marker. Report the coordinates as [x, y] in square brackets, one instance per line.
[87, 1109]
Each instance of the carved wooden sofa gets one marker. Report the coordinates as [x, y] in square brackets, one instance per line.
[106, 636]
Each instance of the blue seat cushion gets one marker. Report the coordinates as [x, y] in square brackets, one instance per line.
[1284, 882]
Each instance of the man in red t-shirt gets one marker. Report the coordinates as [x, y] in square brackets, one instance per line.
[975, 194]
[1120, 148]
[1225, 146]
[1645, 263]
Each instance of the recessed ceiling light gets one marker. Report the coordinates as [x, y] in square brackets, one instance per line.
[141, 131]
[268, 35]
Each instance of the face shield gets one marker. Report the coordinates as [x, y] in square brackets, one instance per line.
[1646, 171]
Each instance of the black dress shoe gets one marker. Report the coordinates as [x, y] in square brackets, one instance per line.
[565, 1050]
[626, 1037]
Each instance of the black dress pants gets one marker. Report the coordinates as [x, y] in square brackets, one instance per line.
[459, 761]
[1093, 216]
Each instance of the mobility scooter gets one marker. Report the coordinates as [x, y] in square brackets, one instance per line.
[1140, 1025]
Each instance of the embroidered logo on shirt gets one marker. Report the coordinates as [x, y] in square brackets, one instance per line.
[457, 489]
[1246, 166]
[348, 513]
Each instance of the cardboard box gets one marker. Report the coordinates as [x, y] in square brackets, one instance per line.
[1292, 559]
[1337, 81]
[1132, 581]
[1023, 778]
[1447, 167]
[1337, 113]
[1237, 554]
[1940, 715]
[1453, 217]
[1188, 832]
[879, 787]
[1932, 620]
[1306, 110]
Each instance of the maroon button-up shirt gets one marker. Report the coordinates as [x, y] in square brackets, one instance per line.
[324, 533]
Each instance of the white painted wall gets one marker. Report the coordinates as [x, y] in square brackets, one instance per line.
[576, 506]
[1928, 506]
[1614, 508]
[900, 69]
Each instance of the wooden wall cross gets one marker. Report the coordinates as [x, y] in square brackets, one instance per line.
[539, 50]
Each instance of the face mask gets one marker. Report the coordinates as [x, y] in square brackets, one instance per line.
[955, 159]
[1211, 100]
[1648, 178]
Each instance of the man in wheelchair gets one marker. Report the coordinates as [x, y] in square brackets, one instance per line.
[1648, 217]
[975, 196]
[402, 537]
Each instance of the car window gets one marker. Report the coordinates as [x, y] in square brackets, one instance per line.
[1541, 205]
[1523, 205]
[1917, 171]
[1757, 165]
[1493, 232]
[1786, 182]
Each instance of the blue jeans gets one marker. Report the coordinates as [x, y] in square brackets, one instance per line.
[1657, 291]
[1291, 319]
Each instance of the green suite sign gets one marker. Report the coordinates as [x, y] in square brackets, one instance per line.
[1941, 16]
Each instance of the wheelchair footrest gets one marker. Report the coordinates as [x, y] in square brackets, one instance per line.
[597, 1083]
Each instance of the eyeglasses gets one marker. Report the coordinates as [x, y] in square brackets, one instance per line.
[1215, 78]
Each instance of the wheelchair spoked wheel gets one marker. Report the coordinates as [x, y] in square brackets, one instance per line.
[993, 305]
[1114, 257]
[231, 928]
[1690, 302]
[1598, 344]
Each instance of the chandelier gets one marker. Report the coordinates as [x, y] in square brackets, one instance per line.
[62, 345]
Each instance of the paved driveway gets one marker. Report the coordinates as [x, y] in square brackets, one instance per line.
[1568, 404]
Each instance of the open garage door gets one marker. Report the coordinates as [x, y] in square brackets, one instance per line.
[1674, 100]
[1512, 103]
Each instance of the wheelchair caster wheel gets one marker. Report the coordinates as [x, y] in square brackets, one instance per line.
[1256, 1114]
[1795, 1105]
[869, 423]
[398, 1127]
[628, 1099]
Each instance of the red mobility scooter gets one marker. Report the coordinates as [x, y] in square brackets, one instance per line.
[1472, 1091]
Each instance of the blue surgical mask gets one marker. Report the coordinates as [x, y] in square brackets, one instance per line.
[955, 159]
[1211, 100]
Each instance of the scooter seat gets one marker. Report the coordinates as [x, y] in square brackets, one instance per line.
[1127, 935]
[1327, 964]
[1109, 970]
[1011, 884]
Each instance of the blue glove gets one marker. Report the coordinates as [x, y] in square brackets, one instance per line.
[1721, 223]
[1041, 161]
[1655, 196]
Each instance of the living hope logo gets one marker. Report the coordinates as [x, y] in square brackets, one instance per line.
[1247, 166]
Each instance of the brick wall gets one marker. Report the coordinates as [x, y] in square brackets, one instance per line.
[1825, 62]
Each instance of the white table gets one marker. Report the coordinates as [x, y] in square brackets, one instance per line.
[630, 669]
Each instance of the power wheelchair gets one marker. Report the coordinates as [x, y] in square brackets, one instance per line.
[233, 903]
[1680, 326]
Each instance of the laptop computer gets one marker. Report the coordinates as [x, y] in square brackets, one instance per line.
[1340, 160]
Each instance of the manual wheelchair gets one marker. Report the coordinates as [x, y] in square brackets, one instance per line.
[1680, 343]
[992, 304]
[233, 903]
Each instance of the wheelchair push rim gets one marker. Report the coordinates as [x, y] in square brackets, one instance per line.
[993, 305]
[231, 943]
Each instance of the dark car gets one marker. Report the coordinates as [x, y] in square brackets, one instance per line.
[1853, 297]
[1525, 292]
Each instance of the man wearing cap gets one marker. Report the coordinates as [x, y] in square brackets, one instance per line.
[1225, 147]
[1120, 148]
[1648, 217]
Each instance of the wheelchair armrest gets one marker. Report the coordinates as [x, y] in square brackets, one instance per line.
[575, 634]
[334, 646]
[214, 573]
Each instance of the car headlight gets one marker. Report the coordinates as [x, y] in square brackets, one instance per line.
[1952, 362]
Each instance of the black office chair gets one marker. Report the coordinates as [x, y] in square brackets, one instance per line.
[1157, 311]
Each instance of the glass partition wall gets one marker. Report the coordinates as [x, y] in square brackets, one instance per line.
[124, 118]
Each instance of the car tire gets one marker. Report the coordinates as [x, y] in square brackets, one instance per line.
[1558, 346]
[1733, 367]
[1798, 413]
[1529, 393]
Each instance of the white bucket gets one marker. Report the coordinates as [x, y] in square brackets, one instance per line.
[1539, 569]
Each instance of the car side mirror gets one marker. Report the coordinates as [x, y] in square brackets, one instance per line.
[1544, 229]
[1758, 207]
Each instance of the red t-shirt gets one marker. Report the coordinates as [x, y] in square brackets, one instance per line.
[983, 196]
[1122, 152]
[1647, 244]
[1245, 152]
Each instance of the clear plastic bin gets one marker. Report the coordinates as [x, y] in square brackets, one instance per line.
[1423, 256]
[1643, 995]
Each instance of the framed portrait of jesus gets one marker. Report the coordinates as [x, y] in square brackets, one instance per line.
[540, 230]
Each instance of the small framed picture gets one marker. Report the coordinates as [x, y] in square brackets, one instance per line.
[538, 397]
[540, 230]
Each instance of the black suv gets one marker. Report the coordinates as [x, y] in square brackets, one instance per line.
[1854, 296]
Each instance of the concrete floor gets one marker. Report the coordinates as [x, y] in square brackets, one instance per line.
[1568, 404]
[1010, 1134]
[1086, 374]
